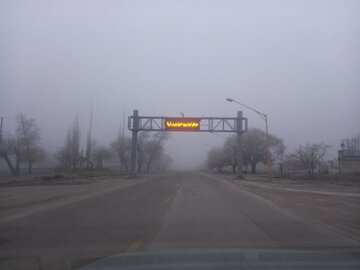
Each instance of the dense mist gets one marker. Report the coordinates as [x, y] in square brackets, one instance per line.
[296, 61]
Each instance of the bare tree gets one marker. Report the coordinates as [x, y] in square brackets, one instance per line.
[217, 159]
[28, 134]
[352, 144]
[69, 155]
[75, 144]
[121, 146]
[310, 155]
[154, 148]
[291, 164]
[100, 154]
[89, 164]
[230, 152]
[12, 155]
[150, 149]
[64, 154]
[254, 148]
[153, 151]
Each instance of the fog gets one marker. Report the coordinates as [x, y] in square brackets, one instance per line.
[296, 61]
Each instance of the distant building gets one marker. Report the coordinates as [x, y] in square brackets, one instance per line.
[349, 161]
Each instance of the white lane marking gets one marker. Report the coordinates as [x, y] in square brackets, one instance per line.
[334, 193]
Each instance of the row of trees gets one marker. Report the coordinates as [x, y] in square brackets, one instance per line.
[306, 157]
[151, 155]
[254, 151]
[150, 151]
[24, 147]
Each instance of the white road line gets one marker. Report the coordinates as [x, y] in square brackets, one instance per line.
[346, 194]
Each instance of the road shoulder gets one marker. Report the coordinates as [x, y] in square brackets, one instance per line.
[334, 210]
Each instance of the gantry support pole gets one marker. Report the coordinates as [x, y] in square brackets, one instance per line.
[134, 142]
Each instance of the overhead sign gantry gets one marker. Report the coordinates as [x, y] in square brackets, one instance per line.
[138, 123]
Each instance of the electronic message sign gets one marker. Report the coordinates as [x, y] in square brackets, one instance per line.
[182, 124]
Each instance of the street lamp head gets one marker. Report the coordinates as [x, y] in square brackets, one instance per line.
[230, 99]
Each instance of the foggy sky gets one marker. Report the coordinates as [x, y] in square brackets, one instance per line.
[297, 61]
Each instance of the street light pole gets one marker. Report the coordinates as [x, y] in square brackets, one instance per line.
[239, 149]
[268, 149]
[265, 118]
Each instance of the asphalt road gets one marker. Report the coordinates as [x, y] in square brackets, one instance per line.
[177, 211]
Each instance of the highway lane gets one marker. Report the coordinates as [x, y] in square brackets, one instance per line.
[181, 210]
[208, 212]
[115, 222]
